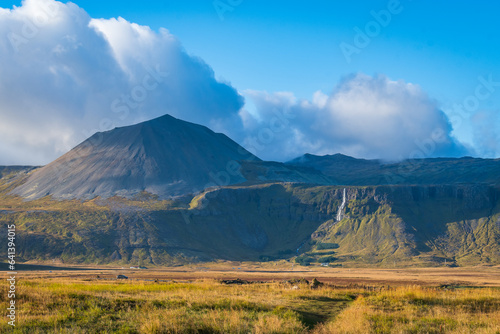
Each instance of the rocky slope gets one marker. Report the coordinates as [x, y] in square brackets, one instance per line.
[165, 157]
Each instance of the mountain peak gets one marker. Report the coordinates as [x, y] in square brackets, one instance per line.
[165, 156]
[329, 157]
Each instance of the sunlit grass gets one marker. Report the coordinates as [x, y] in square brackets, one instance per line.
[420, 310]
[108, 306]
[56, 305]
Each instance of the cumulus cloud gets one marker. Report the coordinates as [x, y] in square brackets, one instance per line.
[371, 117]
[64, 75]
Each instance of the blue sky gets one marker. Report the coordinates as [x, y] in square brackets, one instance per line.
[294, 46]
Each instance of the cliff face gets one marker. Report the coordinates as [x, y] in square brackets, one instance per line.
[410, 225]
[423, 225]
[473, 196]
[380, 225]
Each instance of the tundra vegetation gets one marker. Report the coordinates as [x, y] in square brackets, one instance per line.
[78, 305]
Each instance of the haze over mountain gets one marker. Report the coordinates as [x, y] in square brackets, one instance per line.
[164, 156]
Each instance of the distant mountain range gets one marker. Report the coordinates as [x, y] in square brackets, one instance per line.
[168, 191]
[350, 171]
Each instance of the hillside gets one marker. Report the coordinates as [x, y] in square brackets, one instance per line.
[416, 225]
[382, 226]
[351, 171]
[166, 192]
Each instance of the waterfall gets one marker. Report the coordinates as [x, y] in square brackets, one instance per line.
[340, 213]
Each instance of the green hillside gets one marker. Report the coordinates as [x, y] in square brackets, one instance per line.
[382, 226]
[417, 225]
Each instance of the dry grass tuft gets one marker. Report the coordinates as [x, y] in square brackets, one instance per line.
[99, 306]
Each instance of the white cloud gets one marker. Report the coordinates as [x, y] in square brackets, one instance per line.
[370, 117]
[64, 75]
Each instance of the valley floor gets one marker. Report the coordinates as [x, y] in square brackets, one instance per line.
[269, 299]
[481, 276]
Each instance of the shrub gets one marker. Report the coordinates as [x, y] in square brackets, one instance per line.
[326, 245]
[304, 260]
[327, 259]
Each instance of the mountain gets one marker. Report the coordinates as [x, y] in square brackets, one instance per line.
[351, 171]
[166, 192]
[166, 157]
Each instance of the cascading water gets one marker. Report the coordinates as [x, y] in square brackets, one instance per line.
[340, 212]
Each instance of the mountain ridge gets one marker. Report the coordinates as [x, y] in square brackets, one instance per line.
[169, 192]
[352, 171]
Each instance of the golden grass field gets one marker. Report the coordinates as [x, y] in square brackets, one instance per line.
[192, 299]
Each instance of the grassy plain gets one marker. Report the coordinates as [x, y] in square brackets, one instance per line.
[193, 300]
